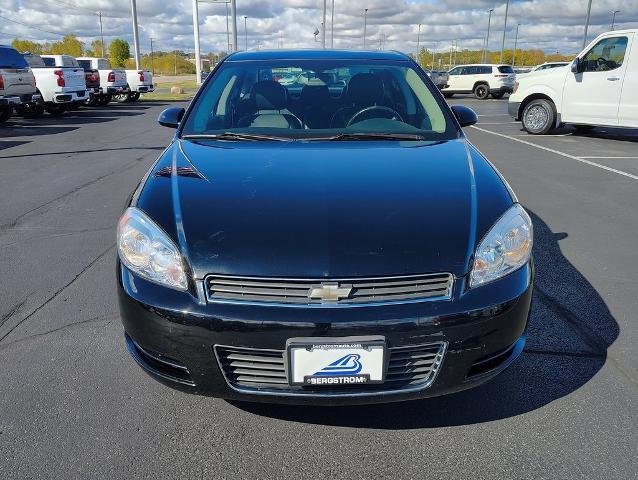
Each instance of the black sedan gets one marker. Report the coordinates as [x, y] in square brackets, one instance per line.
[334, 239]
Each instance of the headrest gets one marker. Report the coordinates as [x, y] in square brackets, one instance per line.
[365, 89]
[269, 95]
[315, 94]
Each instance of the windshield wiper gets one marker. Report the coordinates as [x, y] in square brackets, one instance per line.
[233, 136]
[369, 136]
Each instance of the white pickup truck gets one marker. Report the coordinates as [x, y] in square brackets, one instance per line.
[112, 80]
[597, 89]
[139, 81]
[58, 86]
[17, 83]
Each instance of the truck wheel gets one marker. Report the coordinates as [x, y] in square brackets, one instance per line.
[55, 109]
[122, 97]
[498, 95]
[481, 91]
[104, 100]
[30, 111]
[135, 96]
[539, 116]
[5, 114]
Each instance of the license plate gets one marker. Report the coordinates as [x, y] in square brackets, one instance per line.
[332, 362]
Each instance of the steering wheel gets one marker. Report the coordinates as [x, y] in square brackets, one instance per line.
[394, 113]
[600, 61]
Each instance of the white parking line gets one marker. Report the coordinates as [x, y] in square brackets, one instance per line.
[613, 158]
[558, 152]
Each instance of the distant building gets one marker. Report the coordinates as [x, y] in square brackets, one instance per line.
[206, 64]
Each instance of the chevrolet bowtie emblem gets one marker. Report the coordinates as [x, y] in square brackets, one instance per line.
[330, 292]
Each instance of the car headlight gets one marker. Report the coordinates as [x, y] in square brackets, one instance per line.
[505, 248]
[146, 250]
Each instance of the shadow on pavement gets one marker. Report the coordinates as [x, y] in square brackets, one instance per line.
[569, 332]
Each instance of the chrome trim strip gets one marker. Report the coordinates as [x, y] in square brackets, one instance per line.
[436, 367]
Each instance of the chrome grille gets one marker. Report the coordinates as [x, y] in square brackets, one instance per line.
[297, 291]
[250, 369]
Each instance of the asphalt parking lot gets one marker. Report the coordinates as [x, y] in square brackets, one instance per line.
[74, 405]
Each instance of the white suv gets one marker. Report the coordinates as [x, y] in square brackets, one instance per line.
[481, 80]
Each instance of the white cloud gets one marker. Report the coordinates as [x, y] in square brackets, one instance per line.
[545, 24]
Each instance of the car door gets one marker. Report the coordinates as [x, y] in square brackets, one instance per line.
[628, 111]
[593, 95]
[470, 74]
[456, 79]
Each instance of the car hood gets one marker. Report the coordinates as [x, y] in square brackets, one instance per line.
[322, 210]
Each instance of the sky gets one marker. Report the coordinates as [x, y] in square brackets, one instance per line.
[550, 25]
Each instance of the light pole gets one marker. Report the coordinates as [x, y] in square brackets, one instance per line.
[587, 24]
[418, 45]
[507, 8]
[365, 26]
[613, 19]
[233, 14]
[323, 27]
[152, 57]
[198, 57]
[101, 32]
[332, 26]
[487, 39]
[246, 32]
[227, 30]
[136, 38]
[433, 56]
[515, 45]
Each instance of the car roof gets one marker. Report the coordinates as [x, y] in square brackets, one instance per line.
[316, 54]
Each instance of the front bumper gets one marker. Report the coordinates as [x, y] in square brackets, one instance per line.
[513, 108]
[483, 330]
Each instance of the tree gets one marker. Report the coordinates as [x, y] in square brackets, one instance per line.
[69, 45]
[96, 49]
[119, 52]
[26, 46]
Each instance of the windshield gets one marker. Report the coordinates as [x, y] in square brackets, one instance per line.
[320, 98]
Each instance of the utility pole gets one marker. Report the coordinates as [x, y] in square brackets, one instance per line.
[365, 26]
[101, 32]
[229, 47]
[487, 39]
[198, 56]
[175, 62]
[587, 24]
[432, 58]
[323, 26]
[515, 45]
[418, 45]
[456, 48]
[233, 14]
[507, 8]
[245, 33]
[152, 57]
[332, 26]
[136, 40]
[613, 19]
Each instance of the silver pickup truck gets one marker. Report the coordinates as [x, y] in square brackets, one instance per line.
[17, 83]
[440, 79]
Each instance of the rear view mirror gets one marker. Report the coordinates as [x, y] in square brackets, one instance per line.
[577, 65]
[466, 116]
[171, 117]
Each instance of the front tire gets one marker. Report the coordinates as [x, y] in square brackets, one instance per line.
[539, 117]
[481, 91]
[30, 111]
[5, 114]
[104, 100]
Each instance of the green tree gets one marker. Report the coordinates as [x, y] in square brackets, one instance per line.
[96, 49]
[119, 52]
[26, 46]
[69, 45]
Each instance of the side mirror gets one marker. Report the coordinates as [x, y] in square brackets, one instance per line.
[466, 116]
[577, 65]
[171, 117]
